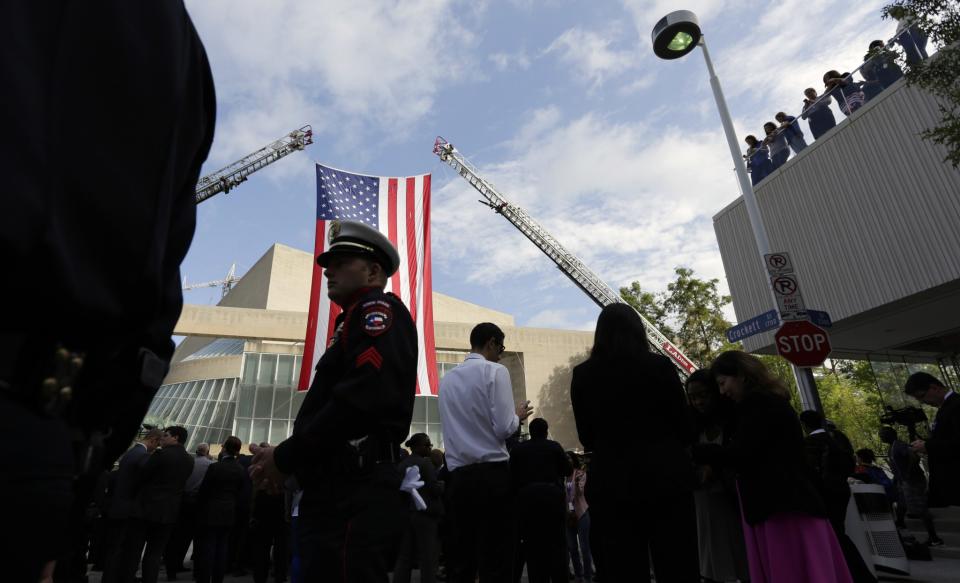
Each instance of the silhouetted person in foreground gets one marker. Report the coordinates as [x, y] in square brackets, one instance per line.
[631, 414]
[217, 502]
[108, 114]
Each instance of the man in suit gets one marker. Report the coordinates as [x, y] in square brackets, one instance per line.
[123, 491]
[943, 446]
[157, 508]
[217, 502]
[93, 231]
[185, 530]
[539, 466]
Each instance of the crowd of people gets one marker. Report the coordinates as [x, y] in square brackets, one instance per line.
[850, 91]
[160, 502]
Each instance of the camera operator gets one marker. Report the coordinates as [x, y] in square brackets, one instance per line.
[943, 445]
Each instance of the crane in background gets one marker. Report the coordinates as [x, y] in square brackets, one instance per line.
[225, 284]
[228, 177]
[567, 262]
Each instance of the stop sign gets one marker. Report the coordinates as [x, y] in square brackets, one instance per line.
[802, 343]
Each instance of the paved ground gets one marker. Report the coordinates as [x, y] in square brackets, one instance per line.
[944, 568]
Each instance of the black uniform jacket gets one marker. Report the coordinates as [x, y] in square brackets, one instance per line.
[633, 419]
[219, 493]
[364, 386]
[107, 112]
[768, 455]
[163, 477]
[943, 449]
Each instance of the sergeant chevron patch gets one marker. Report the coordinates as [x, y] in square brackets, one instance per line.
[370, 356]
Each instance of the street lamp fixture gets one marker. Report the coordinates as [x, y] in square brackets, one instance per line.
[676, 34]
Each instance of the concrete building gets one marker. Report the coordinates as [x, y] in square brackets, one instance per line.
[236, 370]
[869, 214]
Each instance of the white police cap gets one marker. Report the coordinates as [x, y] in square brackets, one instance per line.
[356, 238]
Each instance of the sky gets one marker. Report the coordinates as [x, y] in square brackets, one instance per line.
[560, 103]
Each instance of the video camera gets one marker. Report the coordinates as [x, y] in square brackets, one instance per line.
[909, 417]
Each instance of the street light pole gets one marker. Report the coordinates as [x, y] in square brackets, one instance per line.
[806, 384]
[675, 35]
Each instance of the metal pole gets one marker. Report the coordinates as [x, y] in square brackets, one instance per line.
[806, 384]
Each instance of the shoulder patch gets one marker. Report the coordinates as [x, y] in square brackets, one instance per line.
[377, 317]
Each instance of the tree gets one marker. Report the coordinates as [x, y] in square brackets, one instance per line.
[939, 20]
[554, 403]
[650, 305]
[697, 307]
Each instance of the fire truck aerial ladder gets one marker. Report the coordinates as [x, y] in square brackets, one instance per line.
[568, 263]
[229, 177]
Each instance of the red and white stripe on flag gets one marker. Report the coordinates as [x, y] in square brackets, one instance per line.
[403, 215]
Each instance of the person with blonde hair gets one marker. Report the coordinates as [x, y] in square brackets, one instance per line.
[786, 531]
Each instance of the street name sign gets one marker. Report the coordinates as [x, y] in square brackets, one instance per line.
[757, 324]
[803, 343]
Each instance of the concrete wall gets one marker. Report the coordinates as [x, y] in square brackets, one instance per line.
[870, 216]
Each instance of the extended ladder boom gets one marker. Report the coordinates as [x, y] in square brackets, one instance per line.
[568, 263]
[227, 178]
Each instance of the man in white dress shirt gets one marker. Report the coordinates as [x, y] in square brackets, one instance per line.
[478, 415]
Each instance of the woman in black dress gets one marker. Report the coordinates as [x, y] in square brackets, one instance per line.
[632, 418]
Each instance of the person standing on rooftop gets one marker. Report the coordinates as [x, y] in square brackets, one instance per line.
[817, 111]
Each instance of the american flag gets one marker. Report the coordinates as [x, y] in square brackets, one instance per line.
[400, 209]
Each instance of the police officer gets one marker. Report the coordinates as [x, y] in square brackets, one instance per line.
[107, 115]
[347, 435]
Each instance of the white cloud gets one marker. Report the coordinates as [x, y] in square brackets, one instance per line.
[357, 64]
[511, 61]
[591, 56]
[566, 319]
[630, 202]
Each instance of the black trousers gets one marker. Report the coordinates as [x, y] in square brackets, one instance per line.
[349, 526]
[181, 537]
[114, 565]
[482, 524]
[420, 545]
[635, 529]
[265, 535]
[154, 536]
[542, 512]
[211, 551]
[37, 490]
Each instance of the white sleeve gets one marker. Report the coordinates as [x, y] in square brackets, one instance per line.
[502, 409]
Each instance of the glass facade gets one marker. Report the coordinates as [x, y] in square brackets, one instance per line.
[268, 400]
[205, 408]
[263, 402]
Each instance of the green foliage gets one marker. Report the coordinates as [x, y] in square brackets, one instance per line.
[650, 305]
[553, 404]
[940, 74]
[698, 307]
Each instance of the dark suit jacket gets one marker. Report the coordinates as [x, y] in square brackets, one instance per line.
[164, 475]
[539, 461]
[432, 489]
[943, 450]
[126, 482]
[633, 418]
[768, 455]
[219, 493]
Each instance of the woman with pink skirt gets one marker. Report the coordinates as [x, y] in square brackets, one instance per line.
[786, 531]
